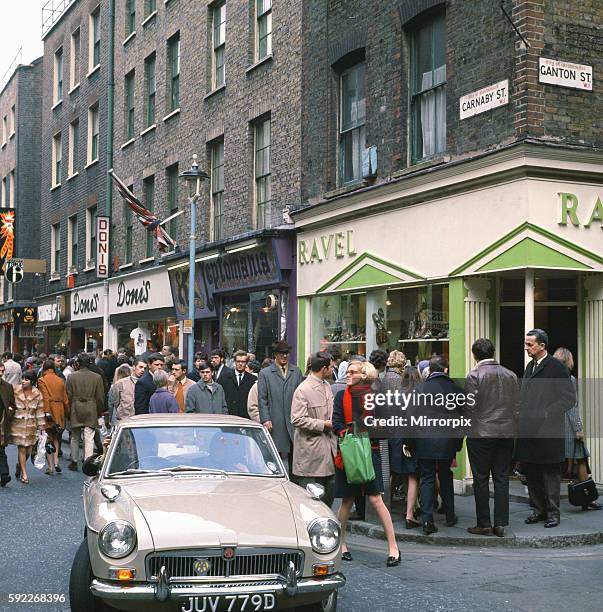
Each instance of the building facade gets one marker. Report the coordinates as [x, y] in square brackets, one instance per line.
[460, 190]
[20, 159]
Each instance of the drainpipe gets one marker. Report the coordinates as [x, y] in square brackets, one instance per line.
[107, 330]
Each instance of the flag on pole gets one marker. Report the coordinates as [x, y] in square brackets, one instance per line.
[150, 222]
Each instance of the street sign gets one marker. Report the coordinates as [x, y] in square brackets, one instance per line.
[187, 326]
[14, 270]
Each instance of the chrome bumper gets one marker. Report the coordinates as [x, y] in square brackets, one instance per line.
[148, 591]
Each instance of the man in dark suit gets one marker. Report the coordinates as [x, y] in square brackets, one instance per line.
[225, 377]
[436, 446]
[244, 381]
[145, 387]
[7, 406]
[547, 394]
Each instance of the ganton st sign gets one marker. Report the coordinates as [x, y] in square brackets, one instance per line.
[565, 74]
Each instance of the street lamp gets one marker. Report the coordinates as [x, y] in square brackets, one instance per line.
[193, 178]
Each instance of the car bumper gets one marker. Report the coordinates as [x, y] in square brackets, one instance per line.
[147, 591]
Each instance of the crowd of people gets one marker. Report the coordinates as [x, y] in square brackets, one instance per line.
[306, 413]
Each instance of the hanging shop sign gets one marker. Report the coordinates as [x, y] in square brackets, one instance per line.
[484, 99]
[53, 312]
[136, 292]
[565, 74]
[86, 303]
[7, 235]
[102, 247]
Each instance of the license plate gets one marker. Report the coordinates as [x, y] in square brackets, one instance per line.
[230, 603]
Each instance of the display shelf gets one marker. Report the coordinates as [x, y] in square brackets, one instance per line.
[344, 341]
[424, 340]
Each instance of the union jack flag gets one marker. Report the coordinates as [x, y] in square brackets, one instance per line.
[150, 222]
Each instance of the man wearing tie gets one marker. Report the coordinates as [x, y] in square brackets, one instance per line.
[276, 385]
[179, 384]
[547, 394]
[224, 376]
[244, 382]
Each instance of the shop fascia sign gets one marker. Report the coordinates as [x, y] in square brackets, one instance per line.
[86, 303]
[565, 74]
[336, 245]
[484, 99]
[140, 292]
[53, 312]
[568, 209]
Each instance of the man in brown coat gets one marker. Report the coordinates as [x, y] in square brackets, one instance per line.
[7, 406]
[87, 402]
[315, 445]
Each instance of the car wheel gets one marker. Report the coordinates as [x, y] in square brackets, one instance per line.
[80, 578]
[326, 605]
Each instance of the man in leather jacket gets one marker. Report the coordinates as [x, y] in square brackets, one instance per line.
[491, 439]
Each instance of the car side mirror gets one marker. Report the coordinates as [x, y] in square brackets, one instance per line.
[315, 490]
[91, 465]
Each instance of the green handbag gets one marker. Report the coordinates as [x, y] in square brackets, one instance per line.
[357, 457]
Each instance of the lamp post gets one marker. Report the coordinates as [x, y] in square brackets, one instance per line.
[193, 178]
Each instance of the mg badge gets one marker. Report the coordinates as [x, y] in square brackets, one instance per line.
[201, 567]
[228, 553]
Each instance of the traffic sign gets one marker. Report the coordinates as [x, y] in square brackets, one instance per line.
[14, 270]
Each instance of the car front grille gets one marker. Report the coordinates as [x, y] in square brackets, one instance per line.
[210, 563]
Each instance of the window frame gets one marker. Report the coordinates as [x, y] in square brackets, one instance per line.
[172, 180]
[265, 15]
[93, 137]
[129, 230]
[148, 192]
[129, 105]
[130, 17]
[57, 159]
[216, 190]
[74, 58]
[150, 89]
[11, 189]
[4, 130]
[416, 93]
[94, 38]
[218, 48]
[91, 213]
[72, 243]
[356, 127]
[55, 249]
[57, 90]
[12, 121]
[150, 7]
[73, 154]
[263, 180]
[173, 73]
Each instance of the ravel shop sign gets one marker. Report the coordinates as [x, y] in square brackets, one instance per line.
[136, 292]
[86, 303]
[484, 99]
[229, 272]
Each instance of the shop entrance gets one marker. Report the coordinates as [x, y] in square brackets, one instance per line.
[555, 311]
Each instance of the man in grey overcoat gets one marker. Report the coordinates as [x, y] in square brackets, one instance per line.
[206, 396]
[276, 386]
[86, 393]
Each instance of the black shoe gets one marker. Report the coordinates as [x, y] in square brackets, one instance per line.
[18, 472]
[551, 522]
[72, 466]
[499, 531]
[412, 524]
[429, 528]
[480, 531]
[347, 556]
[535, 518]
[452, 522]
[60, 452]
[594, 506]
[5, 480]
[393, 561]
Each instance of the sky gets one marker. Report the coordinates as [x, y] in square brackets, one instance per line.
[20, 26]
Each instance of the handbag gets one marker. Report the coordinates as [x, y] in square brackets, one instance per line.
[357, 456]
[582, 493]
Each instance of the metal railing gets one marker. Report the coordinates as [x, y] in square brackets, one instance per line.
[52, 11]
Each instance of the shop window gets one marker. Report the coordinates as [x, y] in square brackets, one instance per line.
[340, 320]
[417, 321]
[560, 289]
[428, 88]
[153, 335]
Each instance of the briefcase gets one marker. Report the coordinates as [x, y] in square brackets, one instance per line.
[582, 493]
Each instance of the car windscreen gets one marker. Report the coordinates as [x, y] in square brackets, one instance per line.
[234, 450]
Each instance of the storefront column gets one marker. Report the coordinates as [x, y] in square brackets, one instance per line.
[477, 314]
[592, 372]
[109, 335]
[181, 354]
[529, 305]
[304, 325]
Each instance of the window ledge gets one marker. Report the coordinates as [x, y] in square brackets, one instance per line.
[151, 16]
[72, 176]
[127, 143]
[129, 38]
[74, 273]
[214, 91]
[12, 135]
[264, 60]
[74, 88]
[55, 186]
[125, 266]
[57, 104]
[166, 1]
[55, 276]
[149, 129]
[172, 114]
[90, 164]
[3, 145]
[422, 165]
[93, 70]
[146, 260]
[89, 268]
[345, 189]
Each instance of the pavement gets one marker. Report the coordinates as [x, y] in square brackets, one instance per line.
[577, 527]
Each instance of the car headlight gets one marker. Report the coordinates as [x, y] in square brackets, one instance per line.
[324, 535]
[117, 539]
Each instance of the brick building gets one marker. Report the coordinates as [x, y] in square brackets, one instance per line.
[20, 156]
[452, 181]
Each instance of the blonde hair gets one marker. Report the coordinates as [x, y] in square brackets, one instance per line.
[367, 370]
[123, 371]
[397, 361]
[565, 357]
